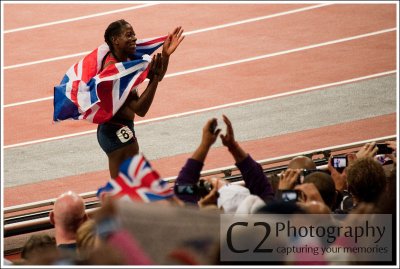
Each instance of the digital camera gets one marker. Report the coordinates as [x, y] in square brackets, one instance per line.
[290, 195]
[201, 188]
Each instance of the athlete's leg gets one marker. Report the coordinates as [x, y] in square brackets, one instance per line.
[116, 157]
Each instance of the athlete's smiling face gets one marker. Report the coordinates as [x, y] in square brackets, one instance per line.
[126, 41]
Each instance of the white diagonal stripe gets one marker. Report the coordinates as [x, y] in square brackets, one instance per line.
[238, 61]
[77, 18]
[187, 33]
[212, 108]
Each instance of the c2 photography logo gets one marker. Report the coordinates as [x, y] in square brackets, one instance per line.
[302, 238]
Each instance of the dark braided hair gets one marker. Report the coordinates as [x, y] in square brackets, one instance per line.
[114, 29]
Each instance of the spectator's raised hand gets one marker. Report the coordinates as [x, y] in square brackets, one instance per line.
[208, 137]
[368, 150]
[228, 140]
[172, 42]
[392, 145]
[288, 179]
[351, 158]
[340, 179]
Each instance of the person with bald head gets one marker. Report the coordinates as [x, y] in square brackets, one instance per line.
[302, 162]
[67, 215]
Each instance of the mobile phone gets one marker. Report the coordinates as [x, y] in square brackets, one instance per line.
[213, 126]
[339, 163]
[383, 149]
[290, 195]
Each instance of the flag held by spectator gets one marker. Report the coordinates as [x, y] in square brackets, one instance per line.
[138, 181]
[86, 93]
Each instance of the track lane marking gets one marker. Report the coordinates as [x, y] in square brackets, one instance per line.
[185, 34]
[264, 56]
[177, 115]
[77, 18]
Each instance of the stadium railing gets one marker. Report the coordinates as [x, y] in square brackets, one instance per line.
[17, 221]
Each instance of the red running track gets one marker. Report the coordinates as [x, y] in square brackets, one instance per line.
[279, 74]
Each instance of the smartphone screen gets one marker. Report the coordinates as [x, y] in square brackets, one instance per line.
[339, 163]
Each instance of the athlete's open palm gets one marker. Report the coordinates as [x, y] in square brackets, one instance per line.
[172, 42]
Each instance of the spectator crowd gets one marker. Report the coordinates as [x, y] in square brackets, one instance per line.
[366, 185]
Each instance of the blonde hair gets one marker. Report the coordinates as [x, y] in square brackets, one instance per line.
[86, 236]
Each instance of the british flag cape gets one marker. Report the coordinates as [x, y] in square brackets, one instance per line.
[137, 181]
[86, 93]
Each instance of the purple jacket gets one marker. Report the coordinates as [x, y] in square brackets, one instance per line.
[253, 176]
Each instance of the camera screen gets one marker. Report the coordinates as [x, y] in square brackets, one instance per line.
[288, 196]
[339, 162]
[184, 189]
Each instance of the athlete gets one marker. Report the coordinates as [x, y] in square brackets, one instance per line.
[117, 136]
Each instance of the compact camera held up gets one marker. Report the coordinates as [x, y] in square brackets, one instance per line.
[201, 188]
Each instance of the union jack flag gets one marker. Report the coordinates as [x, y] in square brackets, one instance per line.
[86, 93]
[138, 181]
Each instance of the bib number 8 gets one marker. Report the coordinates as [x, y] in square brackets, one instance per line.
[124, 134]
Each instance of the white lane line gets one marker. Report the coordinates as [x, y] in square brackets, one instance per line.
[237, 61]
[77, 18]
[187, 33]
[212, 108]
[47, 60]
[29, 102]
[258, 18]
[283, 52]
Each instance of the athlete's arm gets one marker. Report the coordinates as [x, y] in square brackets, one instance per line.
[140, 105]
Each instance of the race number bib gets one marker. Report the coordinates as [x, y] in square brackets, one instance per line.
[124, 134]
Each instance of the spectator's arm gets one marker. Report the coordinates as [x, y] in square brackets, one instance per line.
[190, 173]
[253, 175]
[255, 179]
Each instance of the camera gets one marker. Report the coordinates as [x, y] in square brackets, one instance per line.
[383, 149]
[339, 163]
[290, 195]
[306, 172]
[201, 188]
[303, 174]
